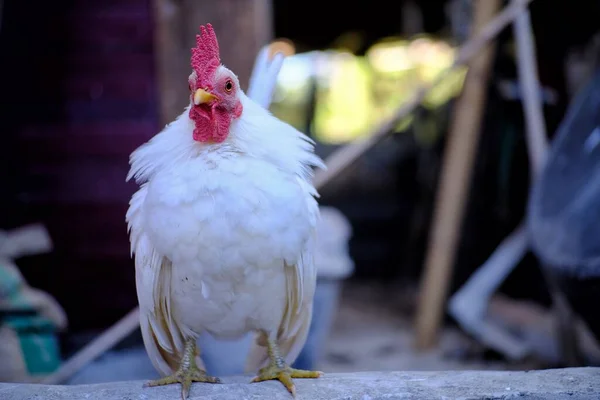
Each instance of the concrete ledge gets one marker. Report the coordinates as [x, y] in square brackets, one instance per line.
[573, 384]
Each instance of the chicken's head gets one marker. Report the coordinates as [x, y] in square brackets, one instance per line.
[214, 90]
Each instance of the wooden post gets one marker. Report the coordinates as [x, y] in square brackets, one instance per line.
[454, 184]
[242, 27]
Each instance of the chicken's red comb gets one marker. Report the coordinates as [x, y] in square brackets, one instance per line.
[205, 56]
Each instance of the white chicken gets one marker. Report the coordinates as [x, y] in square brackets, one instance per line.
[223, 230]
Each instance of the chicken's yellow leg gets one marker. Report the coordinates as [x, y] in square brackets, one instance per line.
[187, 373]
[278, 370]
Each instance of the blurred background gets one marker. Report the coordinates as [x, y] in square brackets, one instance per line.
[85, 82]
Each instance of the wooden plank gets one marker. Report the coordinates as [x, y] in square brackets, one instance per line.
[454, 185]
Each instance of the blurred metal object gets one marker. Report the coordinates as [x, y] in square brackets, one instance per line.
[537, 139]
[468, 306]
[537, 144]
[563, 219]
[563, 213]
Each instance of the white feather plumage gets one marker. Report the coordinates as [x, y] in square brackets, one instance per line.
[223, 235]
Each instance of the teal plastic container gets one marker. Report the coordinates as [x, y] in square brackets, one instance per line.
[39, 344]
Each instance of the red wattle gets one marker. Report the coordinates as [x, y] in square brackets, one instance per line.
[210, 129]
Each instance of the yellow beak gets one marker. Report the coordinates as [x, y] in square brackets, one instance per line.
[201, 96]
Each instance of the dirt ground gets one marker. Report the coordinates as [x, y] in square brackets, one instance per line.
[373, 330]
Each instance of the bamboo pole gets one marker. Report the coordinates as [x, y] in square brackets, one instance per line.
[454, 185]
[98, 346]
[337, 163]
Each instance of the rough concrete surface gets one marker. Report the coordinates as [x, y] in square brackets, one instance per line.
[574, 384]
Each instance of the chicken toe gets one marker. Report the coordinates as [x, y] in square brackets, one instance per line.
[187, 373]
[278, 370]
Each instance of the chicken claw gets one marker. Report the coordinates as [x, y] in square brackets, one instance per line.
[285, 375]
[187, 373]
[278, 370]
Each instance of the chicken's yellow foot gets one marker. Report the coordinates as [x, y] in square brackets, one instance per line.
[187, 373]
[278, 370]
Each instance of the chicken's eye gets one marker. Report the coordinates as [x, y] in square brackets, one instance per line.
[228, 86]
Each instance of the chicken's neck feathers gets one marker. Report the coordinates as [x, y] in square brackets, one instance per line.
[257, 133]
